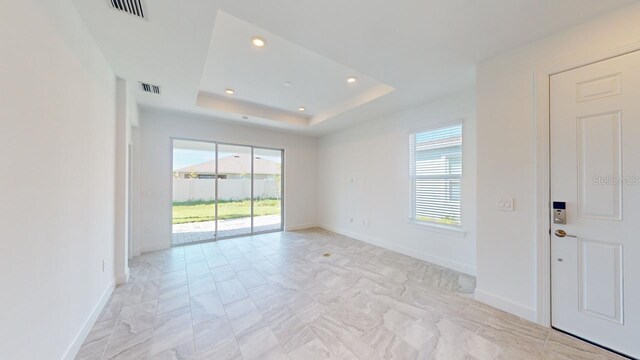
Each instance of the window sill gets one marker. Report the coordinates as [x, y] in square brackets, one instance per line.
[442, 229]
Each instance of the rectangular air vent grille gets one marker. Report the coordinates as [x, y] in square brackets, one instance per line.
[133, 7]
[154, 89]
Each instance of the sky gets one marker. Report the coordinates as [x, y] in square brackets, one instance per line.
[183, 157]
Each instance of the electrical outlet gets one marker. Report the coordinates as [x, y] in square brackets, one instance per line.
[506, 204]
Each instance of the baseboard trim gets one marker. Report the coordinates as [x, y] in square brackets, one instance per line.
[299, 227]
[154, 246]
[450, 264]
[505, 304]
[73, 349]
[122, 278]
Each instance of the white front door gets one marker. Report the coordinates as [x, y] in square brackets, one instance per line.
[595, 171]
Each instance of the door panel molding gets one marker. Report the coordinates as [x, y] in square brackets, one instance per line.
[540, 80]
[593, 275]
[599, 186]
[598, 88]
[599, 262]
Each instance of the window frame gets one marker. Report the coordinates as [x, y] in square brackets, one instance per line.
[454, 228]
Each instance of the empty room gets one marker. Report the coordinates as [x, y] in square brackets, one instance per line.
[296, 179]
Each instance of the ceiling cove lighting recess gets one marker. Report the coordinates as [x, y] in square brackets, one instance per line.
[258, 41]
[229, 91]
[351, 79]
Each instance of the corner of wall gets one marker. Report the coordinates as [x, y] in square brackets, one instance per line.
[122, 278]
[430, 258]
[152, 246]
[505, 304]
[72, 350]
[300, 227]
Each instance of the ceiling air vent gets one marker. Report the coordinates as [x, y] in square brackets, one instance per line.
[133, 7]
[154, 89]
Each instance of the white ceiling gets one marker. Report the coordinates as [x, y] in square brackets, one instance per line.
[258, 76]
[420, 48]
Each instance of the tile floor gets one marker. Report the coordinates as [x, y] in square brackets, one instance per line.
[275, 296]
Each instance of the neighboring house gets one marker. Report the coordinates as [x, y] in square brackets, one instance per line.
[236, 166]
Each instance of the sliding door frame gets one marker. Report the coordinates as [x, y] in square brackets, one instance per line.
[215, 235]
[252, 147]
[172, 141]
[281, 190]
[252, 178]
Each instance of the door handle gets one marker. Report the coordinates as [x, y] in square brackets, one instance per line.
[562, 233]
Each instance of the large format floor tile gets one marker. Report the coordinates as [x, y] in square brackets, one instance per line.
[277, 296]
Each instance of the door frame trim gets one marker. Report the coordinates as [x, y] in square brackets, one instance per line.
[541, 116]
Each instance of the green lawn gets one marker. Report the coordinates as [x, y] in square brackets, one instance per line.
[197, 211]
[446, 221]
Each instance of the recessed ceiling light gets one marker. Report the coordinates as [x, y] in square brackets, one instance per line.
[287, 83]
[258, 41]
[229, 91]
[301, 108]
[351, 79]
[245, 117]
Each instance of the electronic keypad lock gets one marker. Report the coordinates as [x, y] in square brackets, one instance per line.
[559, 212]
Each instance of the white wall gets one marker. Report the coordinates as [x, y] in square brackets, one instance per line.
[126, 121]
[121, 196]
[57, 137]
[507, 158]
[156, 130]
[135, 234]
[364, 172]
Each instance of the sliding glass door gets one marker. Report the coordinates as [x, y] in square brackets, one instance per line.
[194, 191]
[225, 190]
[267, 189]
[234, 190]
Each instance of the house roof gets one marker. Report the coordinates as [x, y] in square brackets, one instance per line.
[234, 164]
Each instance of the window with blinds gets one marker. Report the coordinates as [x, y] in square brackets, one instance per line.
[436, 172]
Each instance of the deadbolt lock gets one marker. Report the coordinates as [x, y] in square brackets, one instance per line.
[559, 212]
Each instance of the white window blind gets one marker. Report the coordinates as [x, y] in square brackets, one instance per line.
[436, 171]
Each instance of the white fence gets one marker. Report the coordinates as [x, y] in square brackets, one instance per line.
[229, 189]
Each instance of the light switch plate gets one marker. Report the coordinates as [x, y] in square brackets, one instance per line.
[505, 204]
